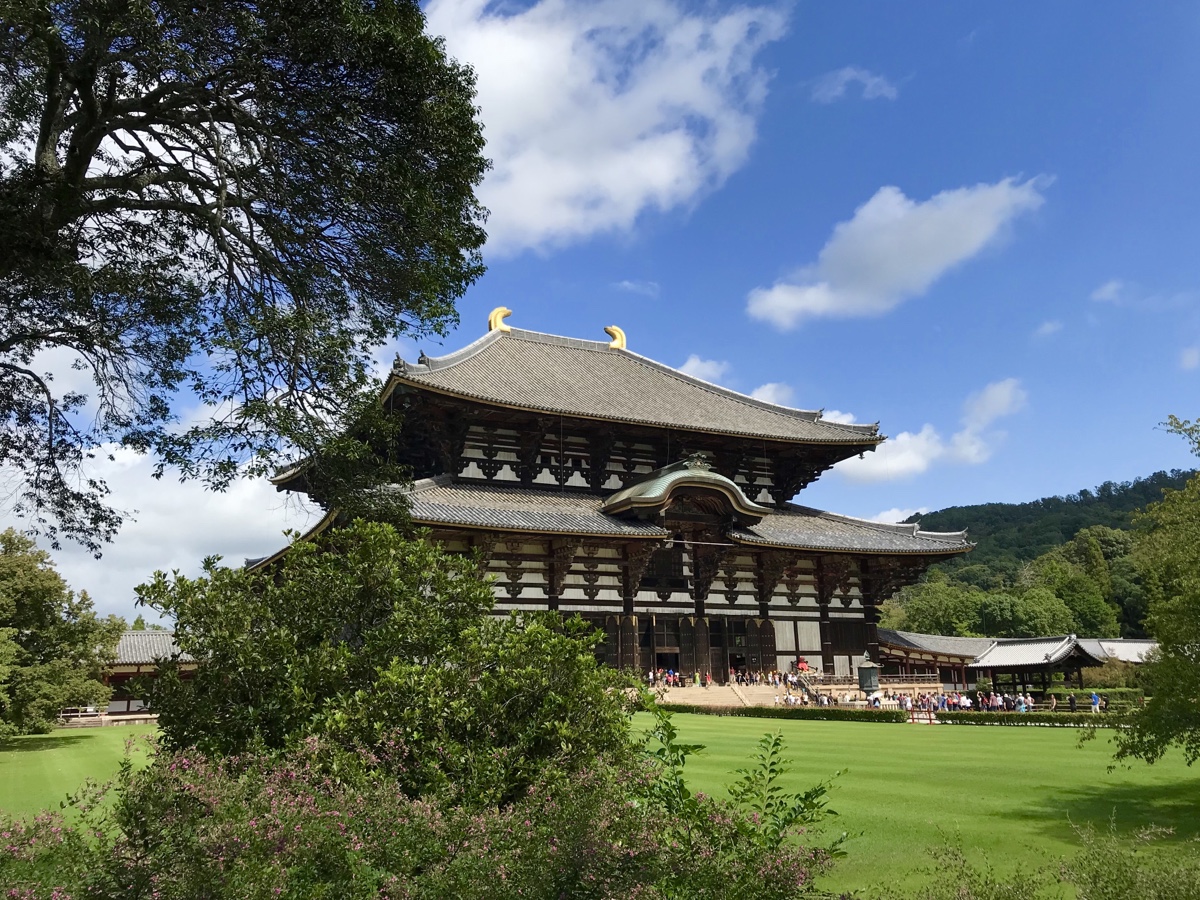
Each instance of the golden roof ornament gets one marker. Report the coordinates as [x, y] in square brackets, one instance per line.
[618, 337]
[496, 319]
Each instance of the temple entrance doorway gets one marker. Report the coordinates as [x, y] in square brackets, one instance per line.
[667, 662]
[737, 662]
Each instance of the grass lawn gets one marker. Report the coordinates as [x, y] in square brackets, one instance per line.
[39, 771]
[1009, 794]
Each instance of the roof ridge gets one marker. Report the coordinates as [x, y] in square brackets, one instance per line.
[912, 528]
[808, 415]
[436, 363]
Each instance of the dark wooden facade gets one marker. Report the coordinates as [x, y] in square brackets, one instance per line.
[709, 568]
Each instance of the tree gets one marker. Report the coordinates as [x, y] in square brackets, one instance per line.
[936, 606]
[1167, 552]
[53, 647]
[231, 203]
[1036, 612]
[385, 646]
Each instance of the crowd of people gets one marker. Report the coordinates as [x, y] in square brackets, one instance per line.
[792, 689]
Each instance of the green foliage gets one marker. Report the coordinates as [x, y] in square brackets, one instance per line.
[1055, 598]
[1035, 612]
[1115, 867]
[256, 826]
[777, 813]
[1012, 534]
[1168, 555]
[1109, 867]
[237, 202]
[936, 606]
[53, 647]
[813, 713]
[956, 876]
[384, 646]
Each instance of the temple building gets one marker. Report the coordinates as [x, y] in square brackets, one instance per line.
[595, 481]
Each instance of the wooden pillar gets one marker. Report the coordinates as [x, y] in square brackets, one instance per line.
[833, 572]
[826, 639]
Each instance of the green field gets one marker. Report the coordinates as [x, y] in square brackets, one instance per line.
[39, 771]
[1009, 795]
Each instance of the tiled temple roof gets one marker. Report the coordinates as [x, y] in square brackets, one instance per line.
[1128, 650]
[938, 644]
[1033, 653]
[546, 373]
[439, 501]
[140, 648]
[811, 529]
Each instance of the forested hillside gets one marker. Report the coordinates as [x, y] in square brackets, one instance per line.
[1051, 566]
[1011, 534]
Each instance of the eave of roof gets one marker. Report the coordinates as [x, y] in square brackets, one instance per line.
[514, 384]
[784, 528]
[1034, 653]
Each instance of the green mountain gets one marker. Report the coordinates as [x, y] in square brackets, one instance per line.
[1011, 534]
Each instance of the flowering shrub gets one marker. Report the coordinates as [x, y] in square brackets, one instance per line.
[193, 826]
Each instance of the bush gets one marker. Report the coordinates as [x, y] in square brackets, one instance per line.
[193, 826]
[823, 713]
[1063, 719]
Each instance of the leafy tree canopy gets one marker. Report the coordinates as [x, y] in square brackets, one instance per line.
[1009, 535]
[386, 646]
[1168, 554]
[53, 647]
[232, 204]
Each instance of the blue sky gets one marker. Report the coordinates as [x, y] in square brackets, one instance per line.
[976, 224]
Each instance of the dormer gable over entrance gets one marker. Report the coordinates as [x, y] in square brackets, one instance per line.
[690, 483]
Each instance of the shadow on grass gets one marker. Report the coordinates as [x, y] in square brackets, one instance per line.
[1130, 807]
[38, 742]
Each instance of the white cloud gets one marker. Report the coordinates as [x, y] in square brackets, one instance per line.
[836, 415]
[773, 392]
[645, 288]
[1047, 328]
[896, 514]
[895, 248]
[998, 399]
[708, 369]
[831, 86]
[175, 527]
[1112, 291]
[1189, 359]
[912, 453]
[595, 112]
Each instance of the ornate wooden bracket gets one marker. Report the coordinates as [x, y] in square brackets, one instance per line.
[790, 475]
[706, 563]
[637, 557]
[485, 545]
[883, 576]
[731, 579]
[792, 581]
[771, 566]
[529, 450]
[833, 576]
[562, 554]
[600, 447]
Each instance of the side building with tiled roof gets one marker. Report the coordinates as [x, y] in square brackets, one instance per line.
[596, 481]
[139, 653]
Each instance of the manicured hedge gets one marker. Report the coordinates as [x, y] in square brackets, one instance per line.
[824, 713]
[1054, 719]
